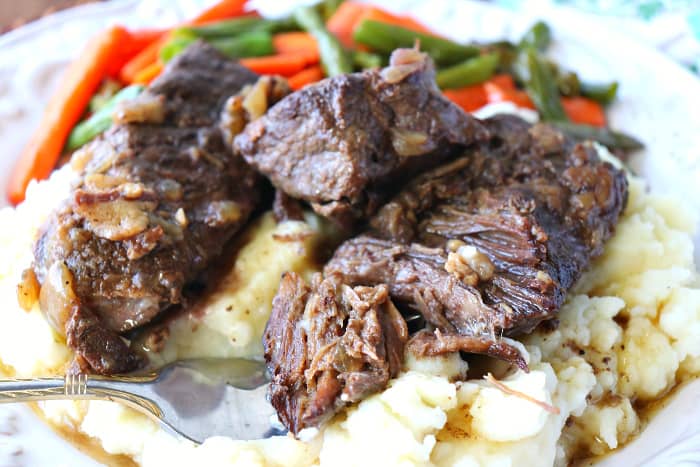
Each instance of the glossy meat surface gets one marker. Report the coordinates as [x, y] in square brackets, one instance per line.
[160, 195]
[490, 243]
[328, 345]
[346, 143]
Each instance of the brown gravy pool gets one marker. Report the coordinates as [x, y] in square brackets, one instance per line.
[92, 448]
[89, 446]
[646, 412]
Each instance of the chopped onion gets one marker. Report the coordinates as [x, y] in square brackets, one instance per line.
[408, 143]
[57, 297]
[146, 108]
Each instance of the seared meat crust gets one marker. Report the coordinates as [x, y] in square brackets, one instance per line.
[160, 195]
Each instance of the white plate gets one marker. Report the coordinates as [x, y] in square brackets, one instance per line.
[659, 102]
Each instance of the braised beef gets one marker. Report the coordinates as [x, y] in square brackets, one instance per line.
[286, 208]
[329, 345]
[347, 142]
[158, 199]
[489, 244]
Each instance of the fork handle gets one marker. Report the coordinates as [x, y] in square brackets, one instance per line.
[79, 386]
[35, 389]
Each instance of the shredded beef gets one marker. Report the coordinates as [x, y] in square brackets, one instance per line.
[490, 243]
[329, 345]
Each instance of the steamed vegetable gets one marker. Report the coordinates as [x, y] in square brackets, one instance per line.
[469, 98]
[384, 38]
[224, 28]
[104, 94]
[610, 138]
[496, 92]
[603, 93]
[143, 59]
[149, 73]
[472, 71]
[329, 7]
[64, 110]
[538, 36]
[333, 57]
[221, 10]
[130, 46]
[100, 120]
[367, 60]
[350, 14]
[542, 88]
[251, 44]
[583, 110]
[304, 77]
[344, 21]
[297, 42]
[235, 26]
[281, 64]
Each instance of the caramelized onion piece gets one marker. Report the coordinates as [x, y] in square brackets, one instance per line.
[255, 102]
[408, 143]
[146, 108]
[221, 213]
[233, 119]
[28, 290]
[115, 220]
[57, 297]
[403, 63]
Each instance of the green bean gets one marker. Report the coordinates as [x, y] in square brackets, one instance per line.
[384, 38]
[538, 36]
[101, 120]
[507, 52]
[472, 71]
[610, 138]
[568, 83]
[334, 59]
[367, 60]
[106, 92]
[251, 44]
[175, 46]
[236, 26]
[229, 27]
[542, 88]
[329, 7]
[604, 93]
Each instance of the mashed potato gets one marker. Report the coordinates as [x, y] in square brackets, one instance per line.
[628, 332]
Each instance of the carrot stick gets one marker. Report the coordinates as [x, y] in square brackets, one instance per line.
[294, 41]
[584, 110]
[342, 23]
[378, 14]
[304, 77]
[149, 73]
[496, 93]
[149, 55]
[503, 80]
[131, 46]
[221, 10]
[297, 42]
[469, 98]
[281, 64]
[350, 14]
[63, 111]
[143, 59]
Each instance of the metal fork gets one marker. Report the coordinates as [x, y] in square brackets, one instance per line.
[195, 399]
